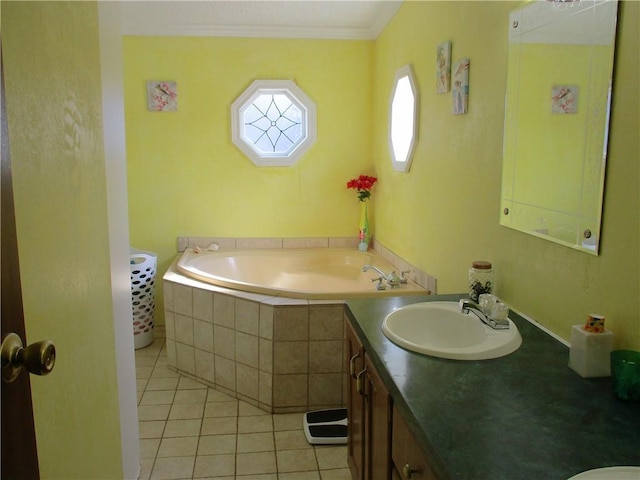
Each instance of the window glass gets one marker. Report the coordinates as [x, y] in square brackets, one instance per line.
[403, 119]
[273, 122]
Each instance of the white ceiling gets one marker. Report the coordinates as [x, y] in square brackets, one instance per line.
[341, 19]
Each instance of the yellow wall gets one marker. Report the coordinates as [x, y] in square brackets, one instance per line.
[187, 178]
[52, 73]
[444, 214]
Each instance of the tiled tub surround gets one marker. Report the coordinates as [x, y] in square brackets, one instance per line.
[280, 354]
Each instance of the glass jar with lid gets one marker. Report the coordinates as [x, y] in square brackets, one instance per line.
[480, 279]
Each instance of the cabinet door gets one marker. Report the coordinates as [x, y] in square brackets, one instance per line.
[377, 426]
[355, 403]
[408, 461]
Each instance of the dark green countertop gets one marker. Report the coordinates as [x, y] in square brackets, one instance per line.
[524, 416]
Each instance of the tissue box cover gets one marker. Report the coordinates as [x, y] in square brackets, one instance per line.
[589, 355]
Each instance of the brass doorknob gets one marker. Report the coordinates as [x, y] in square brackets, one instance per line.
[38, 358]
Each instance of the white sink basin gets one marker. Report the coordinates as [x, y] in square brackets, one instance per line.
[440, 329]
[609, 473]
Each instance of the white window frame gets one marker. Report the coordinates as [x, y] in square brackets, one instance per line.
[298, 97]
[403, 120]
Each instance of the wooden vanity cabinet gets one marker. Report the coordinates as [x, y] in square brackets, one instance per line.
[408, 461]
[369, 414]
[355, 404]
[377, 453]
[380, 445]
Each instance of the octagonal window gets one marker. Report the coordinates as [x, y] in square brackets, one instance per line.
[273, 122]
[403, 119]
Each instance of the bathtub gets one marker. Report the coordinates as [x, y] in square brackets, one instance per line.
[267, 325]
[309, 273]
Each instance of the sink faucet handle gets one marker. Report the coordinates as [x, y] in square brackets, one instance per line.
[393, 279]
[380, 285]
[404, 279]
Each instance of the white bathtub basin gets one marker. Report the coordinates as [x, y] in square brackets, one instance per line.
[441, 330]
[609, 473]
[308, 273]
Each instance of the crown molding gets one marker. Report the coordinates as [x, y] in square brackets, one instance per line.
[142, 19]
[176, 30]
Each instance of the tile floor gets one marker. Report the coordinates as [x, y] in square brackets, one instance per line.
[190, 431]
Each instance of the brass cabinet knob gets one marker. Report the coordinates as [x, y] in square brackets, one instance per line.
[408, 472]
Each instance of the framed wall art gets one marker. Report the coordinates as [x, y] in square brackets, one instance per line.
[564, 99]
[162, 96]
[443, 67]
[460, 86]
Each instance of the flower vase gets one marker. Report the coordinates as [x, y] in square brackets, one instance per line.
[364, 235]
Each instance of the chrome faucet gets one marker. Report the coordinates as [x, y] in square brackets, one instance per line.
[467, 306]
[368, 267]
[386, 279]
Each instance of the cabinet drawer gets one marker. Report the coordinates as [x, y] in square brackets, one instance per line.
[408, 460]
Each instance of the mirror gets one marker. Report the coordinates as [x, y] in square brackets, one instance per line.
[403, 119]
[559, 74]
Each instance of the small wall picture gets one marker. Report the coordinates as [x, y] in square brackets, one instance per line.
[162, 96]
[460, 86]
[564, 99]
[443, 67]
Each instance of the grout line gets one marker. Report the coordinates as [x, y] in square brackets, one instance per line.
[195, 455]
[235, 460]
[275, 447]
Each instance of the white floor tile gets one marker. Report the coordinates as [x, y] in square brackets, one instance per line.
[255, 442]
[178, 447]
[173, 468]
[217, 444]
[191, 431]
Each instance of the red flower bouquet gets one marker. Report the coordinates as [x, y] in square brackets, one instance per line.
[363, 184]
